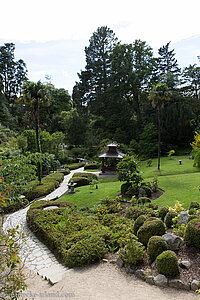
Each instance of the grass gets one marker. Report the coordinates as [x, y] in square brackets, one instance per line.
[179, 182]
[169, 167]
[87, 196]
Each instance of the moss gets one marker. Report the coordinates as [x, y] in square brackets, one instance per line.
[192, 233]
[167, 264]
[149, 229]
[162, 211]
[139, 222]
[156, 245]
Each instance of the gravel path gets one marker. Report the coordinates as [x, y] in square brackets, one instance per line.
[34, 254]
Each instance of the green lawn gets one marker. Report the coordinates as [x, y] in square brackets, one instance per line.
[179, 182]
[89, 197]
[169, 167]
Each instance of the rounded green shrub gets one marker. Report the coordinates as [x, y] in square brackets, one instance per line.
[91, 166]
[136, 211]
[80, 181]
[149, 229]
[132, 253]
[192, 233]
[167, 264]
[156, 245]
[162, 211]
[147, 189]
[124, 187]
[41, 190]
[57, 176]
[143, 200]
[84, 252]
[169, 217]
[192, 217]
[75, 166]
[194, 204]
[90, 176]
[139, 222]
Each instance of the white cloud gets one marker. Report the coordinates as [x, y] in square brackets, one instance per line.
[153, 20]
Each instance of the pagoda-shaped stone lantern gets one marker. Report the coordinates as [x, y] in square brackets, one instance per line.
[111, 155]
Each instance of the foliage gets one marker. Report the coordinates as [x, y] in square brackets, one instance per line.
[75, 166]
[132, 253]
[139, 222]
[12, 279]
[90, 176]
[149, 229]
[178, 207]
[129, 171]
[169, 218]
[162, 211]
[86, 251]
[171, 152]
[148, 141]
[80, 181]
[91, 166]
[156, 245]
[167, 264]
[192, 233]
[143, 200]
[17, 172]
[135, 211]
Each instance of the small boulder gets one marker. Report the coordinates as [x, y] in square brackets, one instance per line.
[160, 280]
[178, 284]
[183, 218]
[150, 280]
[195, 285]
[174, 242]
[140, 274]
[185, 264]
[120, 262]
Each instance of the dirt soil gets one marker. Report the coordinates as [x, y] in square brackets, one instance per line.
[103, 281]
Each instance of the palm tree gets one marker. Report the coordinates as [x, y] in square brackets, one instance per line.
[34, 95]
[159, 94]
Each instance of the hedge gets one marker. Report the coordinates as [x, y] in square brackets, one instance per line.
[91, 166]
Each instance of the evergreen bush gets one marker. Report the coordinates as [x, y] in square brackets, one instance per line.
[167, 264]
[156, 245]
[169, 217]
[192, 233]
[149, 229]
[80, 181]
[133, 253]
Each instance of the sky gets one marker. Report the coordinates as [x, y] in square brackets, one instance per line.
[50, 36]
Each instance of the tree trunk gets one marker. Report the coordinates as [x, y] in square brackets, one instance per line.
[39, 165]
[159, 134]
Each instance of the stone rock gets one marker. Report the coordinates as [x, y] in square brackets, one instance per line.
[119, 262]
[183, 217]
[140, 274]
[129, 270]
[174, 242]
[195, 285]
[178, 284]
[161, 280]
[185, 264]
[150, 280]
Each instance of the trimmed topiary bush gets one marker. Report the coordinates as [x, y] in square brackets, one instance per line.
[57, 176]
[91, 166]
[162, 211]
[132, 253]
[75, 166]
[139, 222]
[156, 245]
[90, 176]
[143, 200]
[192, 233]
[80, 181]
[169, 217]
[167, 264]
[136, 211]
[84, 252]
[149, 229]
[124, 187]
[42, 190]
